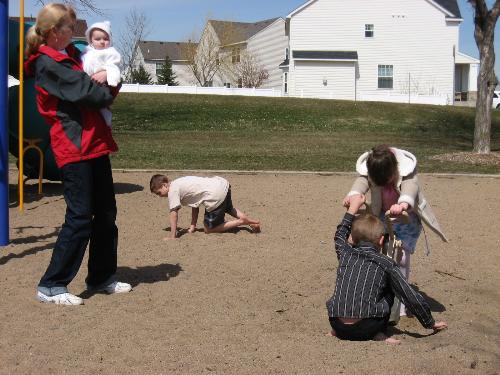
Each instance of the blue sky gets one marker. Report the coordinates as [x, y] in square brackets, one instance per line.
[176, 20]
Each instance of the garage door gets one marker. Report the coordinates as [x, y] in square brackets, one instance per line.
[325, 79]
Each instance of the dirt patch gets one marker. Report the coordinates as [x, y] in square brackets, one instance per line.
[491, 159]
[241, 303]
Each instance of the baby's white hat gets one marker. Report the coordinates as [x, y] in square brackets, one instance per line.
[104, 26]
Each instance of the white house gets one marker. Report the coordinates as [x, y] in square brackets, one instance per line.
[394, 50]
[466, 72]
[264, 40]
[151, 54]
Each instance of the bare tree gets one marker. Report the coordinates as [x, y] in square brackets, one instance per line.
[202, 64]
[85, 6]
[485, 20]
[136, 29]
[209, 56]
[250, 71]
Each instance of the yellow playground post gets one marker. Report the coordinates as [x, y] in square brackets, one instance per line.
[21, 106]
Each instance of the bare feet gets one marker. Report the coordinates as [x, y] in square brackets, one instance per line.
[389, 340]
[255, 228]
[439, 326]
[332, 333]
[169, 238]
[247, 220]
[252, 223]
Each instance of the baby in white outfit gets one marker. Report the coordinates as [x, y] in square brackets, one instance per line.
[99, 55]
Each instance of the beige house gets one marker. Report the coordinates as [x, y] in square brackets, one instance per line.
[151, 54]
[264, 42]
[223, 47]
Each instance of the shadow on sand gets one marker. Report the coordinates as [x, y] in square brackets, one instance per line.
[183, 231]
[148, 274]
[143, 275]
[30, 240]
[55, 189]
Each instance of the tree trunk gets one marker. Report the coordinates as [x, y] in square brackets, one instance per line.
[484, 34]
[486, 84]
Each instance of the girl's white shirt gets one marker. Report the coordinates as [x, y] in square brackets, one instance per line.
[96, 60]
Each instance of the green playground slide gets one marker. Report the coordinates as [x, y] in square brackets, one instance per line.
[35, 126]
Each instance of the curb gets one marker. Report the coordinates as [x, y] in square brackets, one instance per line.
[264, 172]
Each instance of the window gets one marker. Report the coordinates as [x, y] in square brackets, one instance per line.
[227, 85]
[235, 55]
[158, 66]
[285, 83]
[495, 96]
[240, 83]
[369, 30]
[385, 76]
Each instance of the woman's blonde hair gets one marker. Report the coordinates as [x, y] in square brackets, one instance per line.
[52, 15]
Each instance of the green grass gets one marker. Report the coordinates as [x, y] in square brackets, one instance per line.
[228, 132]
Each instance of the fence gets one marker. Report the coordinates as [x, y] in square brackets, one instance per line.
[386, 96]
[403, 98]
[165, 89]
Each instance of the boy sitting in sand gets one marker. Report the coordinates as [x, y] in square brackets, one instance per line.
[212, 192]
[367, 282]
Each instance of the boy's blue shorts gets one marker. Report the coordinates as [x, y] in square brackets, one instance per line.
[215, 217]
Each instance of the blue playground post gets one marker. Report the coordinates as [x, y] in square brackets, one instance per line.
[4, 132]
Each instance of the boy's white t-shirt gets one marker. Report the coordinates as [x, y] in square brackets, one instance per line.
[194, 191]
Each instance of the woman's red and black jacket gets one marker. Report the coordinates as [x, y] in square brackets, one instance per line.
[70, 101]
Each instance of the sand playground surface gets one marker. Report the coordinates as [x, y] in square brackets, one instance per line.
[244, 303]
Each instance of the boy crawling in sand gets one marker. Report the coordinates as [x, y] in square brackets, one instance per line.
[367, 282]
[212, 192]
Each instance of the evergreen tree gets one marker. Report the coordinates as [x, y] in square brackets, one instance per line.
[165, 75]
[140, 76]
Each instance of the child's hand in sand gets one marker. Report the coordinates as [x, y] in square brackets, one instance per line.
[439, 326]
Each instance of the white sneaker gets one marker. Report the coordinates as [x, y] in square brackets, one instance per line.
[117, 287]
[60, 299]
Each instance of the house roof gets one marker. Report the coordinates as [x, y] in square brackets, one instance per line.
[325, 55]
[80, 27]
[239, 31]
[154, 50]
[285, 63]
[451, 6]
[462, 58]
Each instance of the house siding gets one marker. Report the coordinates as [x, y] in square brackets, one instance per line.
[411, 35]
[325, 79]
[269, 46]
[183, 74]
[210, 44]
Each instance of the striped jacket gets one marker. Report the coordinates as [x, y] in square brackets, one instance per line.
[368, 280]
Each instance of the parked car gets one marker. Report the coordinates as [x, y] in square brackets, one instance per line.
[496, 99]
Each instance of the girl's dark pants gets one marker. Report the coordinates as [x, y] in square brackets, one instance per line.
[90, 216]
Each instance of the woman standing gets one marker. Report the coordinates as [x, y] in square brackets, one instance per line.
[70, 101]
